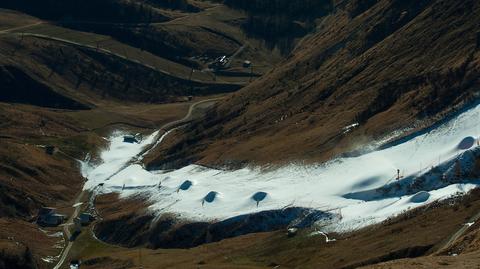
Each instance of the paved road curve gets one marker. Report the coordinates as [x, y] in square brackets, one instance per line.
[166, 127]
[163, 130]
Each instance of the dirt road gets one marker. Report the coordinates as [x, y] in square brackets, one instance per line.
[109, 52]
[165, 128]
[66, 232]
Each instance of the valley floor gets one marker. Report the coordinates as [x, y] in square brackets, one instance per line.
[356, 191]
[418, 214]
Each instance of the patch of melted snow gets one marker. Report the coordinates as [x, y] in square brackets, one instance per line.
[353, 187]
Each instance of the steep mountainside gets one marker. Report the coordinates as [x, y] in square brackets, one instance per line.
[60, 73]
[384, 65]
[89, 10]
[354, 75]
[60, 92]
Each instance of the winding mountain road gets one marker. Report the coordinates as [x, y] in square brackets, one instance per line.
[163, 131]
[165, 128]
[112, 53]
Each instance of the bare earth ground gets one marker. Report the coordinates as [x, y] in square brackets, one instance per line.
[30, 178]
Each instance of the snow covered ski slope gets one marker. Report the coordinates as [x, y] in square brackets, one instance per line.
[360, 190]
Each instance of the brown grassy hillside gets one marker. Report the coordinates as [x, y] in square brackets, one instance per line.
[416, 233]
[60, 72]
[67, 96]
[154, 26]
[387, 64]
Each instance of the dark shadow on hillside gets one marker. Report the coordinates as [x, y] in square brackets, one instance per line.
[18, 87]
[168, 232]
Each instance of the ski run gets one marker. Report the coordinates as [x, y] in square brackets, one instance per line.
[358, 191]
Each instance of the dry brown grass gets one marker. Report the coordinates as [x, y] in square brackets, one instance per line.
[30, 178]
[395, 239]
[366, 69]
[208, 32]
[12, 19]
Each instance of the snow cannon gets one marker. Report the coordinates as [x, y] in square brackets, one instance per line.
[466, 143]
[259, 196]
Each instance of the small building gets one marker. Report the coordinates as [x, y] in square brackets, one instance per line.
[130, 139]
[47, 216]
[291, 232]
[54, 219]
[187, 98]
[50, 150]
[86, 219]
[220, 63]
[223, 60]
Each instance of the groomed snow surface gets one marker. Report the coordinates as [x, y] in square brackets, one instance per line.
[359, 190]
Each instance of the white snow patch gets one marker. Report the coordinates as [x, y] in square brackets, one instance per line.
[114, 158]
[350, 186]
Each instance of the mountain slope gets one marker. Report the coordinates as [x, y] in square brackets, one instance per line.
[386, 65]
